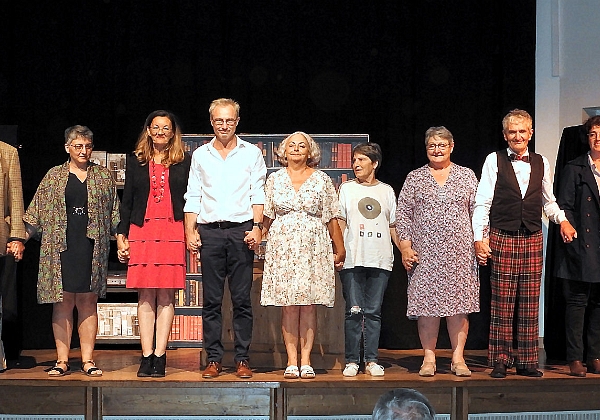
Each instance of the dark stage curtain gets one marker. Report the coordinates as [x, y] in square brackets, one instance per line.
[573, 143]
[390, 69]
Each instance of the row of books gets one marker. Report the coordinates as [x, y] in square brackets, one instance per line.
[333, 155]
[192, 294]
[192, 262]
[118, 320]
[186, 328]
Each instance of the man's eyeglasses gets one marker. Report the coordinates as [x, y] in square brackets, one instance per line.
[80, 147]
[155, 129]
[220, 121]
[442, 146]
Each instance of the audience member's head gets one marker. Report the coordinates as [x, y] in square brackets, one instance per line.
[403, 404]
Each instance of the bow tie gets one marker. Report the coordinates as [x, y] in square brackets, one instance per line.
[514, 157]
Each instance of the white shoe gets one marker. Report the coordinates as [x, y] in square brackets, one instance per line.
[351, 369]
[374, 369]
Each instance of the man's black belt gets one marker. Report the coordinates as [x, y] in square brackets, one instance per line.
[224, 225]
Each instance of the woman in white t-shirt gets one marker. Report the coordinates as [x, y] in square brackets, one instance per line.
[368, 209]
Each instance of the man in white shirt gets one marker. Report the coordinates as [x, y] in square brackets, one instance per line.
[223, 221]
[515, 185]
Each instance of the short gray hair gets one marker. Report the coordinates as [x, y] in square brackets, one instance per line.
[441, 132]
[72, 133]
[403, 404]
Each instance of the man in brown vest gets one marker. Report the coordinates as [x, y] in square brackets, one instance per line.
[515, 187]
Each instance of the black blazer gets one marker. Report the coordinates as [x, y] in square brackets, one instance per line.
[137, 190]
[578, 197]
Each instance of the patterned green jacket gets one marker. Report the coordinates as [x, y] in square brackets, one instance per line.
[47, 216]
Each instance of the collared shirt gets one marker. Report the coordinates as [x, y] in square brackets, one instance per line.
[487, 186]
[222, 190]
[594, 170]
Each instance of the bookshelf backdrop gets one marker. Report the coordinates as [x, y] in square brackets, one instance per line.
[117, 321]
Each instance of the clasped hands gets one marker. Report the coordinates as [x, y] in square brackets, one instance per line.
[122, 248]
[16, 249]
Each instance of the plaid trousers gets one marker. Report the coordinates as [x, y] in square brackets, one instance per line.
[516, 277]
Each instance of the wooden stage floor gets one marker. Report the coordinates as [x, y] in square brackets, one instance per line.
[26, 389]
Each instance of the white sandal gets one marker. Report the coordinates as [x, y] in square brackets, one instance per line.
[291, 372]
[307, 372]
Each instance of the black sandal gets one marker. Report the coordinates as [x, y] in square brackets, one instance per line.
[56, 371]
[93, 371]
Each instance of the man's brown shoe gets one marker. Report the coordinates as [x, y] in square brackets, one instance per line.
[593, 366]
[577, 368]
[212, 370]
[243, 370]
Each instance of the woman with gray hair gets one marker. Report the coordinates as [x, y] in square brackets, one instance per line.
[75, 210]
[433, 223]
[300, 213]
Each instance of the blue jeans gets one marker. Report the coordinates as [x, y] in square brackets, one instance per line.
[363, 290]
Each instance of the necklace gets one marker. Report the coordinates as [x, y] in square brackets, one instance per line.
[157, 190]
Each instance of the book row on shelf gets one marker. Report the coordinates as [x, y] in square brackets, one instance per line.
[333, 155]
[191, 295]
[192, 262]
[186, 328]
[121, 321]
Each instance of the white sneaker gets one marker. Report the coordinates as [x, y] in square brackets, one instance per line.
[351, 369]
[374, 369]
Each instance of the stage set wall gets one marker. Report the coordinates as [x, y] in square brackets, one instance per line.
[389, 69]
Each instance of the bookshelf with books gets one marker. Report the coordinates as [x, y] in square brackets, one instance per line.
[336, 150]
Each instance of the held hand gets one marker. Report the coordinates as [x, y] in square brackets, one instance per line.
[338, 260]
[409, 258]
[567, 232]
[122, 248]
[483, 251]
[253, 238]
[16, 249]
[193, 242]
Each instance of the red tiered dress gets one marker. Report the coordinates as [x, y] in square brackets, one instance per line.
[157, 248]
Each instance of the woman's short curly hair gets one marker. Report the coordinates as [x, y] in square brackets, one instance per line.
[314, 152]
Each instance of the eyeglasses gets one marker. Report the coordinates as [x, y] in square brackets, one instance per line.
[80, 147]
[593, 135]
[155, 129]
[220, 121]
[442, 146]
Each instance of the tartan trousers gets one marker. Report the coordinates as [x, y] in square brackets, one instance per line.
[516, 277]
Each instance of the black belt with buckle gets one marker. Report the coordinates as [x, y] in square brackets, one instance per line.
[224, 225]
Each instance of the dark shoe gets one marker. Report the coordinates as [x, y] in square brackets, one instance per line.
[158, 368]
[593, 366]
[57, 371]
[530, 372]
[92, 370]
[499, 370]
[243, 370]
[577, 369]
[212, 370]
[145, 369]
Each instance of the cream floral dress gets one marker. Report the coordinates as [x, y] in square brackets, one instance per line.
[299, 256]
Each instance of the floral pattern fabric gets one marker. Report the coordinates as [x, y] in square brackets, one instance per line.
[437, 219]
[47, 215]
[299, 256]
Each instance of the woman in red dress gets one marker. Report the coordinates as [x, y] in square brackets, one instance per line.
[150, 234]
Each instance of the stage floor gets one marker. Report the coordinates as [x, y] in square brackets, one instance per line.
[26, 389]
[184, 365]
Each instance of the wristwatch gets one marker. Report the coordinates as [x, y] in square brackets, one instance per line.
[258, 224]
